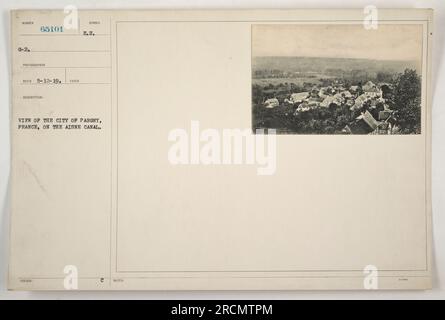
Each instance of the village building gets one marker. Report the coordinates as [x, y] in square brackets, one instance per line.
[365, 123]
[330, 90]
[337, 100]
[350, 103]
[312, 103]
[314, 92]
[354, 89]
[298, 97]
[347, 129]
[359, 102]
[372, 90]
[384, 86]
[271, 103]
[384, 115]
[370, 87]
[346, 94]
[370, 120]
[327, 102]
[304, 106]
[323, 93]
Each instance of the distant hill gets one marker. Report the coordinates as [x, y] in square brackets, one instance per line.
[330, 65]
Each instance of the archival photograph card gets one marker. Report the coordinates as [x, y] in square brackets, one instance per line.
[221, 150]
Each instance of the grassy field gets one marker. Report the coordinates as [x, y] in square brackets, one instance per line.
[297, 81]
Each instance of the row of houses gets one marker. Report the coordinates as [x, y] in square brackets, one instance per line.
[355, 98]
[338, 95]
[365, 123]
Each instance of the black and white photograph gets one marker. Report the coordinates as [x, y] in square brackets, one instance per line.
[337, 79]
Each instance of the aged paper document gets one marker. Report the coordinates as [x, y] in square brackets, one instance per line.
[221, 150]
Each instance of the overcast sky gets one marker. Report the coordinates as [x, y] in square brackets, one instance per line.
[388, 42]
